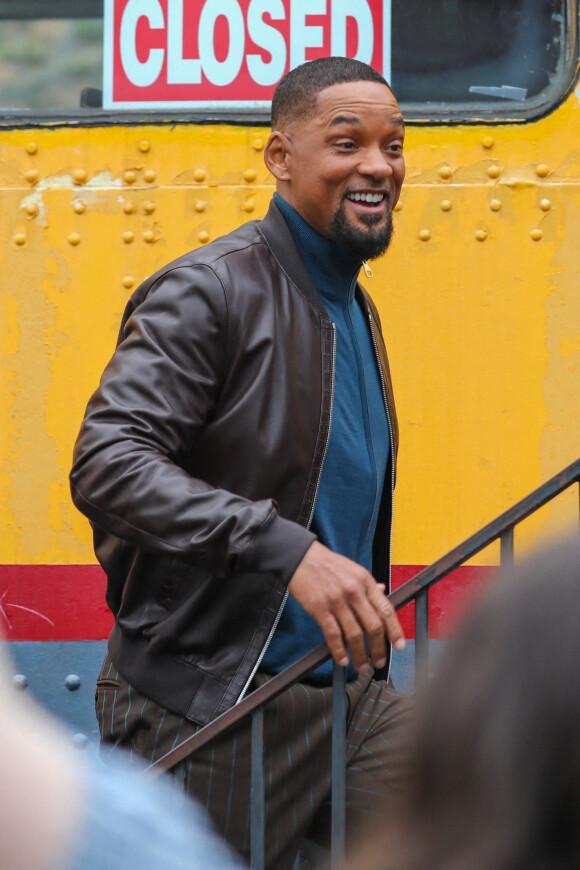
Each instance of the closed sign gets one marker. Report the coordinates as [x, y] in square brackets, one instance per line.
[230, 54]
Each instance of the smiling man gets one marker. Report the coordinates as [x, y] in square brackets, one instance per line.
[237, 464]
[339, 160]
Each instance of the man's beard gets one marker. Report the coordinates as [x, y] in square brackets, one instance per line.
[362, 244]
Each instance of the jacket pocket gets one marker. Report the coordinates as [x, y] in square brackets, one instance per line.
[169, 592]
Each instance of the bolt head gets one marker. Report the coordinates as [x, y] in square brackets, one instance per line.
[72, 682]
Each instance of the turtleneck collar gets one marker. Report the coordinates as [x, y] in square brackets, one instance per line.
[333, 272]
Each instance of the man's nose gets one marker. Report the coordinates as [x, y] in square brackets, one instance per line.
[375, 163]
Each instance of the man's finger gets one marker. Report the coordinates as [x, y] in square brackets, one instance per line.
[354, 636]
[334, 638]
[391, 622]
[373, 627]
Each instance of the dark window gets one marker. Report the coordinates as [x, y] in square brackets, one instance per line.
[465, 52]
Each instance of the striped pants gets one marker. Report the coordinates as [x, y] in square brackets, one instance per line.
[297, 755]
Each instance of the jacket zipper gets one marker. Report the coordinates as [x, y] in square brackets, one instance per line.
[391, 462]
[310, 518]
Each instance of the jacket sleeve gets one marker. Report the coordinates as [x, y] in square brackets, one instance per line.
[155, 395]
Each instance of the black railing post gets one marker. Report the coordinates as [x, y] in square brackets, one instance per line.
[422, 635]
[337, 834]
[258, 813]
[507, 548]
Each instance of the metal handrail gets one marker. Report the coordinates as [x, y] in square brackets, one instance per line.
[417, 588]
[501, 527]
[232, 717]
[399, 597]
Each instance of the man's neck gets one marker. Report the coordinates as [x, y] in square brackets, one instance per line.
[332, 270]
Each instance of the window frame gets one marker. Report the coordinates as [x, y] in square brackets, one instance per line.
[473, 113]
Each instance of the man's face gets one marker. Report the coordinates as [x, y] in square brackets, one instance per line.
[345, 166]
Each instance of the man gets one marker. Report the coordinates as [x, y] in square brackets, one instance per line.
[237, 464]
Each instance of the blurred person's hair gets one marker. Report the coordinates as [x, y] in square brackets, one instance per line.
[496, 780]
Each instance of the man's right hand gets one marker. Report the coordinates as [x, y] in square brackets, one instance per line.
[348, 604]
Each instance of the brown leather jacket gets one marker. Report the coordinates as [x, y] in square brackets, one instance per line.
[199, 459]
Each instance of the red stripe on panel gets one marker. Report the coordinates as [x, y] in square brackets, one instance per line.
[67, 602]
[53, 602]
[449, 599]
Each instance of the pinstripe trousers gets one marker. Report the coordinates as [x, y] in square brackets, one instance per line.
[297, 758]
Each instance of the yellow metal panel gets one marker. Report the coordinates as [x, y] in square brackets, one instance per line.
[478, 297]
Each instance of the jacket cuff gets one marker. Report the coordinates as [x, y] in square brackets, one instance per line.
[278, 547]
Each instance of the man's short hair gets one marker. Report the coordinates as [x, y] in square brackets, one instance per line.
[297, 93]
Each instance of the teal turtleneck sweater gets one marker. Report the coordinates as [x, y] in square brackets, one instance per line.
[352, 478]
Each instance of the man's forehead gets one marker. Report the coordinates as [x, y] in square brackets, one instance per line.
[347, 102]
[338, 120]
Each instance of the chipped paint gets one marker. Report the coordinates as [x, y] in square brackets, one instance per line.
[35, 199]
[104, 179]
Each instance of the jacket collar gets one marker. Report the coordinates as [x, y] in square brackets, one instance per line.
[281, 242]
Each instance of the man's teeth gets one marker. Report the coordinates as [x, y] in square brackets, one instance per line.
[366, 197]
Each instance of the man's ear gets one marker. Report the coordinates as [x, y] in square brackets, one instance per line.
[276, 155]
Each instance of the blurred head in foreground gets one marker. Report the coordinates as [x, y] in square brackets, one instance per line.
[497, 767]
